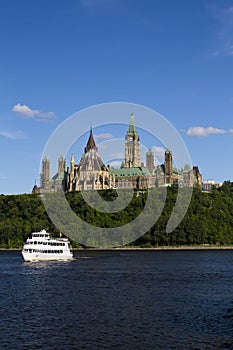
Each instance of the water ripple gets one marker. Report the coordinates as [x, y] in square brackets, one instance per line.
[109, 300]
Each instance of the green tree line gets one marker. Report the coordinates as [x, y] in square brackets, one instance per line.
[208, 220]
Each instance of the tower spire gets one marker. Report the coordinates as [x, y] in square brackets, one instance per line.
[132, 127]
[132, 145]
[90, 143]
[131, 109]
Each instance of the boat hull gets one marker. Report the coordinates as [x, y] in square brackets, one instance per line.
[46, 257]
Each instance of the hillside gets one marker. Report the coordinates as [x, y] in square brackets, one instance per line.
[209, 219]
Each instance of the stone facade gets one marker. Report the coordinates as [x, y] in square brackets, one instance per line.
[92, 174]
[169, 178]
[150, 161]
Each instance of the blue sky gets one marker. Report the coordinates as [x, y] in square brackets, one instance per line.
[58, 57]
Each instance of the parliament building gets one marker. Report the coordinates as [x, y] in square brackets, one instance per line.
[92, 174]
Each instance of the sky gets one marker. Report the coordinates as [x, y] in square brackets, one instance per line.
[59, 57]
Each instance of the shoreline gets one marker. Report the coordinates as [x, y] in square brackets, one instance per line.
[164, 248]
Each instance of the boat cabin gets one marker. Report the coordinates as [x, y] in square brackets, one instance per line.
[42, 234]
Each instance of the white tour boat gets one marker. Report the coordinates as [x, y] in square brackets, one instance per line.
[42, 247]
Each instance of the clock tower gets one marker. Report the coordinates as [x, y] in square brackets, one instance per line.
[132, 145]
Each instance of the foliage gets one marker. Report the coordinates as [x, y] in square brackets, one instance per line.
[209, 219]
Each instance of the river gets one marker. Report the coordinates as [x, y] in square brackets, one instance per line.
[118, 300]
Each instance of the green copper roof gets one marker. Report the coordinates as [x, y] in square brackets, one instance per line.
[61, 176]
[150, 152]
[137, 171]
[132, 127]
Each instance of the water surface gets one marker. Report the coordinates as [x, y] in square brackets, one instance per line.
[118, 300]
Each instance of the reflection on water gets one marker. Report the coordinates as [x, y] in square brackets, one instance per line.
[118, 300]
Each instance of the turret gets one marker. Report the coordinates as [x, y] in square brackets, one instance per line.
[45, 175]
[72, 164]
[150, 160]
[61, 165]
[168, 166]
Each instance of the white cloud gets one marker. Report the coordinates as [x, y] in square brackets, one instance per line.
[23, 109]
[158, 151]
[226, 51]
[223, 29]
[229, 10]
[32, 113]
[200, 131]
[102, 146]
[158, 154]
[103, 136]
[216, 53]
[13, 136]
[115, 163]
[231, 131]
[120, 155]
